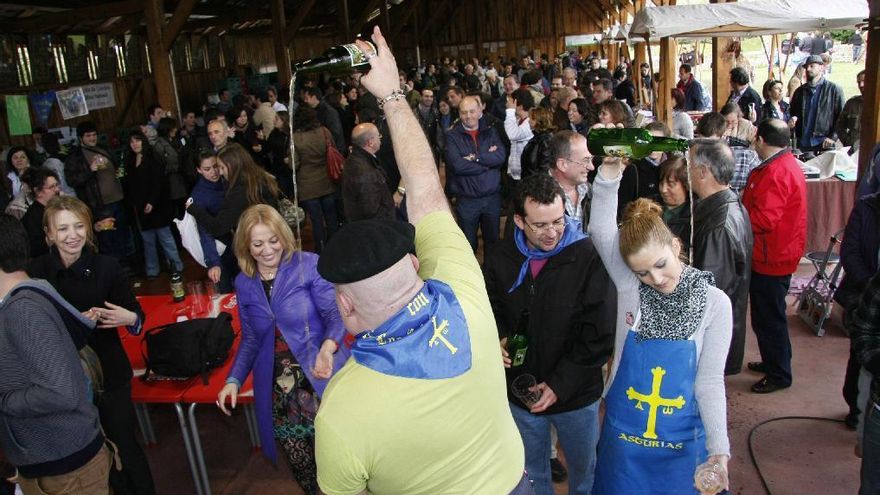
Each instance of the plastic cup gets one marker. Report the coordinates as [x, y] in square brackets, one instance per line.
[710, 478]
[198, 299]
[213, 295]
[523, 388]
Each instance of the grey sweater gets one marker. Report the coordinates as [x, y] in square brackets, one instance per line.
[712, 338]
[46, 420]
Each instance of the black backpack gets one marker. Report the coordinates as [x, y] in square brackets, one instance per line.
[188, 348]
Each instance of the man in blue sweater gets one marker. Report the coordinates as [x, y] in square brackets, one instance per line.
[50, 430]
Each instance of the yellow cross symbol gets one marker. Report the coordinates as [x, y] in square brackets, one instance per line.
[654, 401]
[439, 337]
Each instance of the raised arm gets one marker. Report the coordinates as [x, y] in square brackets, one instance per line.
[424, 194]
[603, 224]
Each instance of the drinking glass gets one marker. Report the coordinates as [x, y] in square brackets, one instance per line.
[198, 299]
[710, 478]
[523, 388]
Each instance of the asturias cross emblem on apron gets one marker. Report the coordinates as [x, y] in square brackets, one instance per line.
[654, 401]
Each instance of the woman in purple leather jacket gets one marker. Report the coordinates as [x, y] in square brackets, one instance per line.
[292, 338]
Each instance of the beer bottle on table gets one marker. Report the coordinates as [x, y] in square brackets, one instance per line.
[177, 290]
[519, 343]
[340, 59]
[630, 143]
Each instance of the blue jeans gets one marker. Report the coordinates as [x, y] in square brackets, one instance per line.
[871, 452]
[483, 213]
[578, 434]
[322, 215]
[767, 295]
[169, 247]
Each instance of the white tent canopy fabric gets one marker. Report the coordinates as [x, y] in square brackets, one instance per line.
[746, 18]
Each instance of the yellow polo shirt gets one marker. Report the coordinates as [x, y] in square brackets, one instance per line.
[392, 435]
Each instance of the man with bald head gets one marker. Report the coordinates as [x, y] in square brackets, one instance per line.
[421, 408]
[365, 191]
[475, 153]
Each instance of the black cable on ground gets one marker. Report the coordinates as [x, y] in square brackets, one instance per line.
[771, 420]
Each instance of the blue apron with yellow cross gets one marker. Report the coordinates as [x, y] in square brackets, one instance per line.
[652, 437]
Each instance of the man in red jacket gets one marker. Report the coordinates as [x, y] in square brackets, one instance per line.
[776, 199]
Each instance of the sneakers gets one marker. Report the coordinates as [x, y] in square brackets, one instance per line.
[558, 473]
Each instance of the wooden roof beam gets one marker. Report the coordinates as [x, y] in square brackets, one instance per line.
[432, 21]
[591, 10]
[411, 7]
[46, 22]
[365, 15]
[297, 20]
[178, 20]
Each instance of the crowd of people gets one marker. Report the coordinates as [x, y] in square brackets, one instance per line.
[375, 357]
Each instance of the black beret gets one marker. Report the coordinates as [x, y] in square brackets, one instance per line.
[364, 248]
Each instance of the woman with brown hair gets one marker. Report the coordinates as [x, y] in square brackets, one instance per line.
[676, 200]
[612, 112]
[246, 184]
[536, 155]
[317, 195]
[673, 334]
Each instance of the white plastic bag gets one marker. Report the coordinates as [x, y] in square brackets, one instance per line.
[189, 236]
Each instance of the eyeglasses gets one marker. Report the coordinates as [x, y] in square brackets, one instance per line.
[586, 162]
[543, 227]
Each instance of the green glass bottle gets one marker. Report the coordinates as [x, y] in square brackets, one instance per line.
[518, 345]
[630, 143]
[340, 59]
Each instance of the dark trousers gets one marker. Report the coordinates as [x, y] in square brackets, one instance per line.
[853, 368]
[116, 242]
[767, 294]
[322, 214]
[119, 423]
[483, 213]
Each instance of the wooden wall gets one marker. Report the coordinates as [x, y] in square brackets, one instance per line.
[519, 24]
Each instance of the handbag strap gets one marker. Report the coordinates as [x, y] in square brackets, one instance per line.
[327, 140]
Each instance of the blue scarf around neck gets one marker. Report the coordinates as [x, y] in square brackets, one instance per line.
[427, 339]
[570, 235]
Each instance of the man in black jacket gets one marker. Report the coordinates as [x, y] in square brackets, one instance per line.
[817, 104]
[744, 95]
[722, 235]
[549, 278]
[365, 191]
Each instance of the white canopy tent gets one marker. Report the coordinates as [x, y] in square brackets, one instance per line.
[746, 18]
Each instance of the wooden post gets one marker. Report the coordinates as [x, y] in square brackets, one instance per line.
[667, 79]
[478, 28]
[638, 59]
[771, 69]
[871, 107]
[163, 74]
[279, 41]
[721, 66]
[344, 24]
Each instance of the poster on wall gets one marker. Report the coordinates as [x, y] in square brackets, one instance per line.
[72, 103]
[19, 115]
[42, 103]
[99, 96]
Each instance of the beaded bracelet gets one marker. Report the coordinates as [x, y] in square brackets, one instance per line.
[397, 94]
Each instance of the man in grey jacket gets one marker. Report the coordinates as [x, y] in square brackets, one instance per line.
[722, 235]
[50, 430]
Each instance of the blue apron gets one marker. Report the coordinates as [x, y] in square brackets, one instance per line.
[652, 439]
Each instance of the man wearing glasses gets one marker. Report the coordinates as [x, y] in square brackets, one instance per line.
[549, 275]
[571, 162]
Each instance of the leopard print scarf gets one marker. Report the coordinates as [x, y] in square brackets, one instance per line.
[674, 316]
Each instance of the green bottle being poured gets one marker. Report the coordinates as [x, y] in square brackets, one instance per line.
[340, 59]
[630, 143]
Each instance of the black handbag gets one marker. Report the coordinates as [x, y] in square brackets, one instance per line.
[188, 348]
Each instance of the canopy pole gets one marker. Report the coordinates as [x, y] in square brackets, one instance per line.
[784, 67]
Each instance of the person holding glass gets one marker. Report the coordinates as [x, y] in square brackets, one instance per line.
[666, 410]
[292, 338]
[96, 285]
[774, 106]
